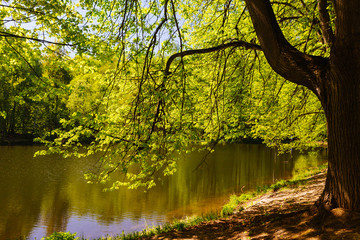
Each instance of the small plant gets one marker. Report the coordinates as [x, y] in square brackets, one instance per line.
[235, 201]
[61, 236]
[180, 226]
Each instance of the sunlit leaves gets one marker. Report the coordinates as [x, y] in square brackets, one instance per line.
[114, 98]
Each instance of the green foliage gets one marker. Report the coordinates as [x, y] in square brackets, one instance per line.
[61, 236]
[114, 96]
[30, 97]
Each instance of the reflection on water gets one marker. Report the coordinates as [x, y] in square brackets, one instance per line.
[46, 194]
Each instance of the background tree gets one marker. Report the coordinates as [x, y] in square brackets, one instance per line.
[18, 92]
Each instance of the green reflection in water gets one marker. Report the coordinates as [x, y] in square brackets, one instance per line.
[46, 194]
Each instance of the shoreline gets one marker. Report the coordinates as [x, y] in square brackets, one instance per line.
[284, 211]
[240, 212]
[236, 220]
[285, 197]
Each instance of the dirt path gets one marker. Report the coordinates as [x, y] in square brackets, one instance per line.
[284, 214]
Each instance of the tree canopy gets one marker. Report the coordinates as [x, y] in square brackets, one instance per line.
[144, 81]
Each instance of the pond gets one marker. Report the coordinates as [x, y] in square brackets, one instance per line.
[46, 194]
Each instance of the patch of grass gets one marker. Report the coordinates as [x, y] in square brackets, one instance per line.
[178, 225]
[235, 201]
[298, 179]
[305, 173]
[61, 236]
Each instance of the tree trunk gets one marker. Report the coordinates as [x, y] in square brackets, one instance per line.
[12, 120]
[336, 82]
[341, 101]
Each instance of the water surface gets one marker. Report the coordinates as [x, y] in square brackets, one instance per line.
[46, 194]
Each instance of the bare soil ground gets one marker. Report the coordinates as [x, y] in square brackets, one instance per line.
[283, 214]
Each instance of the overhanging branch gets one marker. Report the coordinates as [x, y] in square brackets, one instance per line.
[285, 59]
[244, 44]
[7, 34]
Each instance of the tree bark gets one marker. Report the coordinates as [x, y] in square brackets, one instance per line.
[342, 188]
[286, 60]
[336, 82]
[341, 102]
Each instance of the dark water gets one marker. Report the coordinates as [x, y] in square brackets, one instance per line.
[46, 194]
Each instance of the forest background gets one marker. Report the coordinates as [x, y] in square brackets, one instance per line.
[141, 82]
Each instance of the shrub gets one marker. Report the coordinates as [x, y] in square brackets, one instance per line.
[61, 236]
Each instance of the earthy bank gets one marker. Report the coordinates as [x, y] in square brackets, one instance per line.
[286, 213]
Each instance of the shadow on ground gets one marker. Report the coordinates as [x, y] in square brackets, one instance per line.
[286, 214]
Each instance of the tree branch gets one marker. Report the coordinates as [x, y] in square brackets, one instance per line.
[284, 58]
[326, 29]
[7, 34]
[26, 61]
[246, 45]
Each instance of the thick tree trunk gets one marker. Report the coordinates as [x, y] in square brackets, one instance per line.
[341, 101]
[336, 81]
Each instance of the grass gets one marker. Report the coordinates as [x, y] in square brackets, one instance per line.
[228, 209]
[177, 224]
[297, 180]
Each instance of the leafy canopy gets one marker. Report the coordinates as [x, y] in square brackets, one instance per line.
[138, 110]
